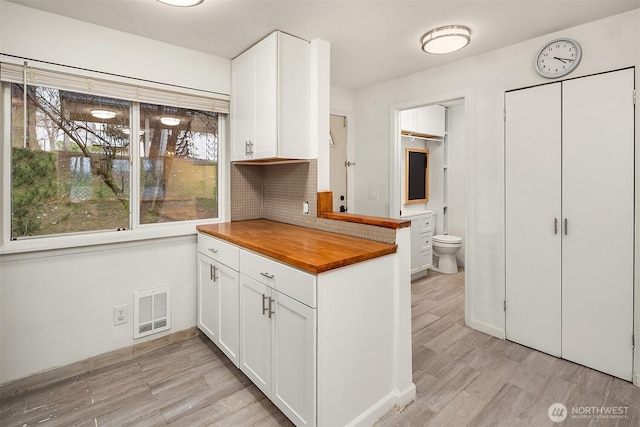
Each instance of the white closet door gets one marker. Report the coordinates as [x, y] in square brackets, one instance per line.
[598, 194]
[533, 201]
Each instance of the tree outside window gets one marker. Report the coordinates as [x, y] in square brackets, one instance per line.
[71, 173]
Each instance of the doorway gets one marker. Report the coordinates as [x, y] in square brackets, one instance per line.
[338, 161]
[449, 197]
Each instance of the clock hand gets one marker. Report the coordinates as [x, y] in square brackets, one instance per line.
[564, 60]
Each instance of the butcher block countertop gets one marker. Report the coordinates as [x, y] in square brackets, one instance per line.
[311, 250]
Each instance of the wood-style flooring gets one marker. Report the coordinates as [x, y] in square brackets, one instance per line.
[463, 378]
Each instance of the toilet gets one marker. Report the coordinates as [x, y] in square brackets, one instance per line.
[445, 247]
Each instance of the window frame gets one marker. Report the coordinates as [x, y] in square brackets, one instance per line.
[138, 231]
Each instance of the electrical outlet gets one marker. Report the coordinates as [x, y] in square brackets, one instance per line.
[305, 208]
[120, 314]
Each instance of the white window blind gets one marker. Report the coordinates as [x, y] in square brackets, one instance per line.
[14, 73]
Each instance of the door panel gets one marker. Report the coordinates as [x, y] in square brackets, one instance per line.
[208, 299]
[294, 355]
[598, 195]
[242, 110]
[533, 200]
[229, 335]
[255, 334]
[337, 162]
[266, 95]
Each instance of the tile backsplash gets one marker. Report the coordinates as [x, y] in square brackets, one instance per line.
[277, 192]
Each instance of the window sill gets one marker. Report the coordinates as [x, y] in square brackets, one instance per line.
[141, 234]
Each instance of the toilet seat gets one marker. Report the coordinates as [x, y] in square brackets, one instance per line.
[444, 238]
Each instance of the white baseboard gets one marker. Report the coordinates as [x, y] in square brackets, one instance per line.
[375, 411]
[636, 378]
[406, 396]
[486, 328]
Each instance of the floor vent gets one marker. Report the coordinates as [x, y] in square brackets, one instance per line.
[151, 311]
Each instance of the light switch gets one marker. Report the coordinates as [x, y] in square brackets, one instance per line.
[305, 208]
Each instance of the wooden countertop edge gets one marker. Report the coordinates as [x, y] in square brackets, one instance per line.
[325, 210]
[368, 220]
[315, 268]
[295, 262]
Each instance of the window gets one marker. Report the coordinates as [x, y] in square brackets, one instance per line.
[178, 155]
[85, 162]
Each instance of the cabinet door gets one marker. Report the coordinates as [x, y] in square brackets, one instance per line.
[408, 120]
[431, 120]
[228, 311]
[294, 359]
[242, 104]
[255, 333]
[533, 201]
[208, 299]
[598, 203]
[266, 105]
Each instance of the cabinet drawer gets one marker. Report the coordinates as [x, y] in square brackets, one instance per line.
[219, 250]
[292, 282]
[425, 242]
[426, 259]
[425, 223]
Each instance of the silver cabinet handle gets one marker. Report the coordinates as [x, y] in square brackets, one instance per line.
[214, 251]
[213, 270]
[268, 276]
[566, 226]
[250, 147]
[555, 225]
[264, 308]
[246, 148]
[271, 300]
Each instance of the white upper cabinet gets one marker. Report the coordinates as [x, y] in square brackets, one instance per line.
[270, 100]
[428, 121]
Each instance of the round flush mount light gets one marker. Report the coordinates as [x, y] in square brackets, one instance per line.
[103, 114]
[446, 39]
[182, 3]
[170, 121]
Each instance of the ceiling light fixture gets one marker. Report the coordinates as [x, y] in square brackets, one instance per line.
[182, 3]
[170, 121]
[446, 39]
[103, 114]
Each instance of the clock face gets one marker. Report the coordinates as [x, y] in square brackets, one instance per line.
[558, 58]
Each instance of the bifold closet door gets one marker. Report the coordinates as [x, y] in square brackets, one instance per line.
[533, 202]
[598, 197]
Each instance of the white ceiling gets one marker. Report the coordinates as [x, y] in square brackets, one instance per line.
[371, 40]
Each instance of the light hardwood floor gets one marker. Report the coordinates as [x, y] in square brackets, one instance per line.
[463, 377]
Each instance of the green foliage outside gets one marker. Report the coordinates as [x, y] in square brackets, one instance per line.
[34, 182]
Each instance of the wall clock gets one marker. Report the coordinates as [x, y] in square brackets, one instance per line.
[558, 58]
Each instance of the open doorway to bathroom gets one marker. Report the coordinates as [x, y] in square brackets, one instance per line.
[438, 127]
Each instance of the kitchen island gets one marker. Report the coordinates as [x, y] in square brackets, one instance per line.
[320, 322]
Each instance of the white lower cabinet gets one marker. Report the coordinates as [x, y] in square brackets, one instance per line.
[320, 347]
[218, 298]
[278, 336]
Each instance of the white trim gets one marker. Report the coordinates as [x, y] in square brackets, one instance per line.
[486, 328]
[145, 232]
[5, 165]
[636, 378]
[375, 411]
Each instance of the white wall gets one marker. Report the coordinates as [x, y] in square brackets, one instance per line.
[607, 44]
[34, 34]
[56, 306]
